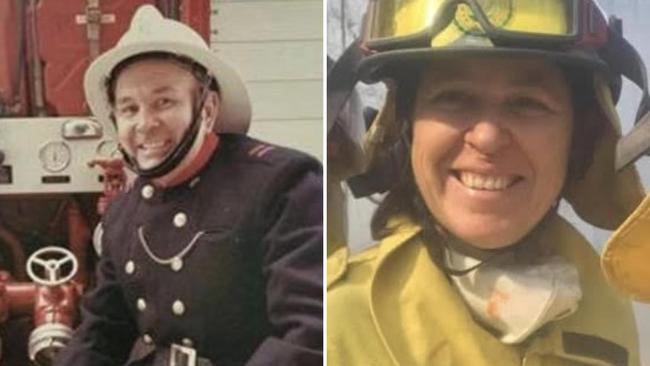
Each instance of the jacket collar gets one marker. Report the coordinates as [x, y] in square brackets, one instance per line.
[403, 267]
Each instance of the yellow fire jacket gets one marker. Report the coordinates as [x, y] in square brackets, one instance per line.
[391, 305]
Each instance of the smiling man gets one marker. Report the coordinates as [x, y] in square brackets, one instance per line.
[214, 256]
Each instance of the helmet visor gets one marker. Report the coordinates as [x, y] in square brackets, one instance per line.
[553, 21]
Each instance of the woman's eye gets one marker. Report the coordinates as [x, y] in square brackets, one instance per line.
[529, 105]
[452, 99]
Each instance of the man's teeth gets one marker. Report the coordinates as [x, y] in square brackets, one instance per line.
[485, 182]
[153, 145]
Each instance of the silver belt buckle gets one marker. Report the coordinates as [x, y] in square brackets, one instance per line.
[181, 355]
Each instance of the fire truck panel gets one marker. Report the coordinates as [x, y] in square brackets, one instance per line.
[52, 156]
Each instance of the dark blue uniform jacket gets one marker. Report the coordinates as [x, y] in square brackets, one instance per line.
[247, 289]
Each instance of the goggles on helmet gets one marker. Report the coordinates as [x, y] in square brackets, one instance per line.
[527, 23]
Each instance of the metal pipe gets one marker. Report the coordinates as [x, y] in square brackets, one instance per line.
[38, 96]
[20, 297]
[78, 240]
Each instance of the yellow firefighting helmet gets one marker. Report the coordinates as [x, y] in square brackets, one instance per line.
[572, 33]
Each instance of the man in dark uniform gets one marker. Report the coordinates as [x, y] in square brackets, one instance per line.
[214, 255]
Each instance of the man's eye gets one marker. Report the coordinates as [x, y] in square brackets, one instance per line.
[128, 110]
[164, 102]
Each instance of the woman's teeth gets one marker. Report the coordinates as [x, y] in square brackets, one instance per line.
[485, 182]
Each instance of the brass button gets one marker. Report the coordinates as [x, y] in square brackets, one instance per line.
[176, 264]
[129, 268]
[141, 304]
[147, 191]
[178, 308]
[180, 219]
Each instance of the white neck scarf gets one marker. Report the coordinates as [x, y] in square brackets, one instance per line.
[515, 298]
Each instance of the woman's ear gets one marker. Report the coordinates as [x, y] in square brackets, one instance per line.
[210, 111]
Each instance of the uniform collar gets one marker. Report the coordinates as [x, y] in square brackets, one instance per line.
[402, 231]
[185, 180]
[207, 149]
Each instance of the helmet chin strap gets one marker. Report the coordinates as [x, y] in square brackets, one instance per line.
[181, 150]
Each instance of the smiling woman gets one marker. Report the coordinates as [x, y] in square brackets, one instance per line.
[484, 130]
[480, 155]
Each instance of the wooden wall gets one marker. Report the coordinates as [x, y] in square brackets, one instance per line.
[277, 45]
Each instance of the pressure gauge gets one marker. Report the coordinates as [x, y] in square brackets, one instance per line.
[108, 149]
[55, 156]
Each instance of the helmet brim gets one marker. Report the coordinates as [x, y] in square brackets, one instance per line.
[383, 65]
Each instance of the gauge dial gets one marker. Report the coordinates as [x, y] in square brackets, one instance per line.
[55, 156]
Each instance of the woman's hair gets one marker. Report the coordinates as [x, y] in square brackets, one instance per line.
[404, 199]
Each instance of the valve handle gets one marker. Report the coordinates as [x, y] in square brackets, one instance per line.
[52, 260]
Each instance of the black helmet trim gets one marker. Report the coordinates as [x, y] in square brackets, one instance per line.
[377, 66]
